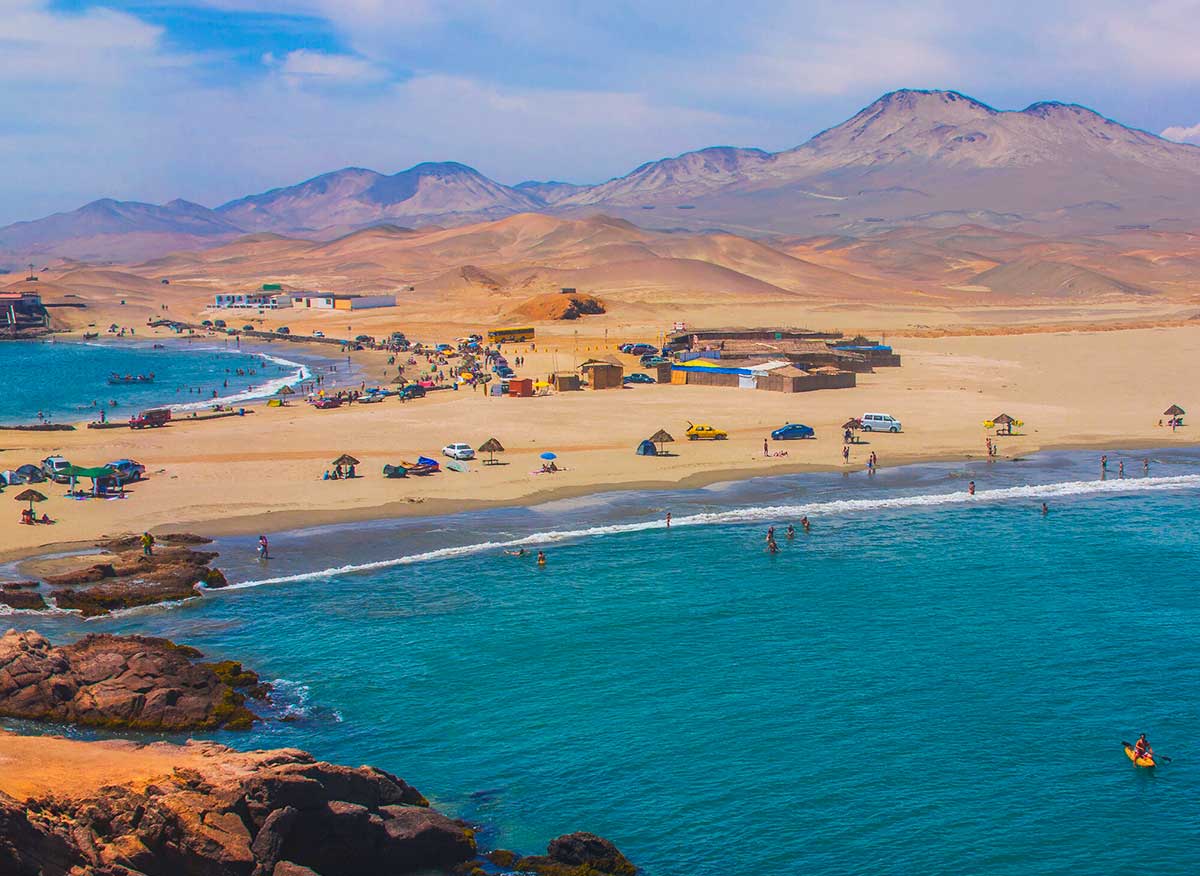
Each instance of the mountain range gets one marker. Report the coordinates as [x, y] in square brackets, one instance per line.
[932, 159]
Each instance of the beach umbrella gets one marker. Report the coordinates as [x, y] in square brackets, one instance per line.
[548, 455]
[852, 423]
[30, 496]
[345, 459]
[1174, 411]
[491, 447]
[661, 437]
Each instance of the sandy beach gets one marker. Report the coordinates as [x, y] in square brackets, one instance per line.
[262, 472]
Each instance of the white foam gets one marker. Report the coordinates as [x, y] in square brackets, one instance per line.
[753, 514]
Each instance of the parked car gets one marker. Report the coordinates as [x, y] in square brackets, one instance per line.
[248, 328]
[283, 330]
[638, 378]
[318, 333]
[55, 468]
[219, 323]
[325, 404]
[700, 430]
[643, 350]
[207, 323]
[152, 419]
[127, 470]
[792, 431]
[364, 339]
[458, 450]
[504, 371]
[413, 390]
[880, 423]
[652, 361]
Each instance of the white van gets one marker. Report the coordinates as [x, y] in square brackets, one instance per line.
[880, 423]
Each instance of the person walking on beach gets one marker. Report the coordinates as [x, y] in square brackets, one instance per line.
[766, 449]
[846, 455]
[264, 549]
[147, 542]
[1104, 462]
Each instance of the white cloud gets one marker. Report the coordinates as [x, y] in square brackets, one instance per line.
[304, 65]
[1183, 133]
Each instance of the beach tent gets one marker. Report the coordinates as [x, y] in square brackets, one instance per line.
[491, 447]
[29, 474]
[647, 448]
[661, 437]
[99, 475]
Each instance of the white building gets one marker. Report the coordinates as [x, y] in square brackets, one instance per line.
[330, 301]
[253, 300]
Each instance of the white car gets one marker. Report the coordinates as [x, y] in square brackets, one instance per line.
[458, 451]
[318, 334]
[880, 423]
[56, 468]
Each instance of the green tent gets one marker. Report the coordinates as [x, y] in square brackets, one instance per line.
[79, 471]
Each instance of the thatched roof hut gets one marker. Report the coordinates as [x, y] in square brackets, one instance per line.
[1003, 420]
[491, 447]
[1174, 411]
[661, 437]
[345, 459]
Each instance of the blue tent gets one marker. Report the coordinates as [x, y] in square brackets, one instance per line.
[647, 448]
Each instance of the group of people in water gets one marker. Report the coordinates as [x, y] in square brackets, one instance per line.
[789, 534]
[521, 552]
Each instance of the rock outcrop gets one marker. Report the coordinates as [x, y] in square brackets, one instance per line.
[262, 813]
[133, 682]
[128, 579]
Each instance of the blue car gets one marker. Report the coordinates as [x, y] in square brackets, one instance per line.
[638, 378]
[793, 430]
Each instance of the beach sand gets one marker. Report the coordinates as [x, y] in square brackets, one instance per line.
[262, 472]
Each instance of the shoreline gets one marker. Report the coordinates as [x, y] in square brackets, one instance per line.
[436, 507]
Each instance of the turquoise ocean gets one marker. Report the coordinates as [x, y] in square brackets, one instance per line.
[927, 683]
[68, 380]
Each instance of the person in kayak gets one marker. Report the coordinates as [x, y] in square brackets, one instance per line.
[1142, 748]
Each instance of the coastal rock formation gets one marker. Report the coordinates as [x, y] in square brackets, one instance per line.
[128, 579]
[556, 305]
[20, 594]
[261, 813]
[575, 854]
[134, 682]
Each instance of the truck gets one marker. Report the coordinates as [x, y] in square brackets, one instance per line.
[153, 418]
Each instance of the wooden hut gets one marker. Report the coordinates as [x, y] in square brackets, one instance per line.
[603, 373]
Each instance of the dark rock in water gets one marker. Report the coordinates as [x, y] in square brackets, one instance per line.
[134, 682]
[22, 599]
[261, 813]
[579, 854]
[133, 542]
[18, 585]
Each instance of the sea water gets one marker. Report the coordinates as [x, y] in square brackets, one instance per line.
[67, 381]
[927, 682]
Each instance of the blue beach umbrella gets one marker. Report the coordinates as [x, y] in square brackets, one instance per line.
[549, 455]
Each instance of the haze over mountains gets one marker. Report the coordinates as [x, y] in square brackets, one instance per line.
[912, 158]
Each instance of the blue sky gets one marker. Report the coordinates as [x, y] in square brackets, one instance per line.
[213, 99]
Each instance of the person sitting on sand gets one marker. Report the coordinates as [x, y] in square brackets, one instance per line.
[45, 518]
[325, 476]
[27, 516]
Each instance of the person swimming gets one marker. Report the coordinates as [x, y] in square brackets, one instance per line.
[1045, 509]
[519, 552]
[541, 558]
[971, 489]
[772, 547]
[791, 531]
[804, 522]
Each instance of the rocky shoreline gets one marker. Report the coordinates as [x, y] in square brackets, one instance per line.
[261, 813]
[123, 682]
[216, 811]
[121, 576]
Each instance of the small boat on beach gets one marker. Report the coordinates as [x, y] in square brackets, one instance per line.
[423, 466]
[90, 336]
[115, 379]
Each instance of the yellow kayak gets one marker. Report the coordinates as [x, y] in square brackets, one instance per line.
[1142, 761]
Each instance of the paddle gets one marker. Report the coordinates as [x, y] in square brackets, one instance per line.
[1157, 757]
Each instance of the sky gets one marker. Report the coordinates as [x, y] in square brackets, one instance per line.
[211, 100]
